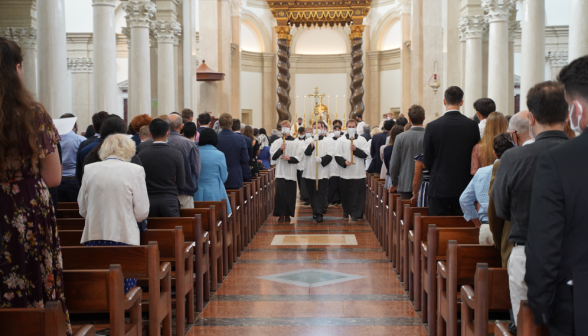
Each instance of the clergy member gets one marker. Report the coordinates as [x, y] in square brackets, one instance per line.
[318, 198]
[334, 194]
[297, 126]
[352, 176]
[285, 156]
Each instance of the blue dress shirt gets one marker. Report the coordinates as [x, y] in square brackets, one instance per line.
[70, 142]
[477, 189]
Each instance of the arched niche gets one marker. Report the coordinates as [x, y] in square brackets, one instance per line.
[253, 28]
[320, 41]
[387, 32]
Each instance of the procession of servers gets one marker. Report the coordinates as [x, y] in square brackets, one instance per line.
[328, 167]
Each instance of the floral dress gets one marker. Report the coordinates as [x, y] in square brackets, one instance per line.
[31, 267]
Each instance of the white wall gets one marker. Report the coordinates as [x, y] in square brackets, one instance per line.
[325, 41]
[251, 95]
[330, 84]
[390, 90]
[391, 37]
[250, 39]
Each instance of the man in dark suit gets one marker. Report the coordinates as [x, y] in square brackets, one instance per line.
[378, 141]
[366, 132]
[204, 121]
[237, 127]
[97, 120]
[235, 150]
[556, 249]
[448, 146]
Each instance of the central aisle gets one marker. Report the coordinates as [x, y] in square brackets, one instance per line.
[344, 288]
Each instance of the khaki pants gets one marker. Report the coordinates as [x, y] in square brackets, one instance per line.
[186, 201]
[516, 278]
[486, 235]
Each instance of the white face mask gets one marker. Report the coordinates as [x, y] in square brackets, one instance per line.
[301, 137]
[286, 130]
[576, 128]
[351, 132]
[337, 133]
[309, 135]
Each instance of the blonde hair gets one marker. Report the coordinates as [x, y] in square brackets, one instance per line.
[375, 131]
[117, 144]
[496, 123]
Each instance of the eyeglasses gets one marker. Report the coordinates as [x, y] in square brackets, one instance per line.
[510, 137]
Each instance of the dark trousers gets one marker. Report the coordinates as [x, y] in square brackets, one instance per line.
[164, 207]
[301, 186]
[561, 322]
[444, 206]
[68, 190]
[318, 198]
[334, 193]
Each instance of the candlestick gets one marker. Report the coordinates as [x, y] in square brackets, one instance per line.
[296, 110]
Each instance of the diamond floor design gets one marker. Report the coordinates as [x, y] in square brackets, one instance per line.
[311, 277]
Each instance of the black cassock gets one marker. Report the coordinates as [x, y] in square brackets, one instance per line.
[353, 196]
[302, 186]
[318, 198]
[285, 197]
[334, 193]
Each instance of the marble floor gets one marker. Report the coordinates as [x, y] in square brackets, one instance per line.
[311, 279]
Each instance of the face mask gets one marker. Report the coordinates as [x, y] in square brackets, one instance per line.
[337, 133]
[286, 130]
[387, 118]
[351, 132]
[309, 135]
[576, 128]
[301, 137]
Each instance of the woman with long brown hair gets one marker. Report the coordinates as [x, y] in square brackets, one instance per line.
[30, 255]
[483, 152]
[248, 132]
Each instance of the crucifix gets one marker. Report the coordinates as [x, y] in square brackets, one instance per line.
[317, 103]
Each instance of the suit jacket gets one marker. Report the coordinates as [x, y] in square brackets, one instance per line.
[235, 150]
[407, 145]
[378, 141]
[367, 136]
[556, 246]
[448, 146]
[499, 227]
[273, 138]
[245, 167]
[144, 145]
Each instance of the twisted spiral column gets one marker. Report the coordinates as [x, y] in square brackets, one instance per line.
[357, 91]
[283, 106]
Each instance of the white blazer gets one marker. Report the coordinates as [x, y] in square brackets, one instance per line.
[112, 199]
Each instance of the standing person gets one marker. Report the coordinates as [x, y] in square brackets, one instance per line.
[204, 120]
[360, 123]
[136, 124]
[70, 142]
[188, 114]
[30, 262]
[274, 136]
[334, 192]
[352, 176]
[189, 132]
[191, 155]
[298, 124]
[318, 197]
[301, 140]
[513, 186]
[379, 140]
[448, 145]
[483, 107]
[519, 127]
[420, 182]
[483, 152]
[387, 153]
[164, 172]
[97, 120]
[406, 147]
[263, 138]
[144, 134]
[235, 150]
[366, 132]
[246, 171]
[556, 247]
[253, 167]
[285, 156]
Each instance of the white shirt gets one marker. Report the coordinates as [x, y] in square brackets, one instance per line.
[359, 128]
[324, 148]
[301, 143]
[528, 142]
[284, 169]
[357, 169]
[334, 166]
[113, 198]
[482, 126]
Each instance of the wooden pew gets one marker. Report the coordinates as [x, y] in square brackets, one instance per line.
[252, 203]
[247, 214]
[140, 262]
[381, 185]
[434, 250]
[236, 224]
[227, 232]
[490, 292]
[214, 228]
[48, 321]
[409, 215]
[68, 205]
[192, 229]
[385, 220]
[102, 291]
[393, 234]
[401, 243]
[68, 213]
[239, 218]
[525, 324]
[459, 270]
[70, 224]
[368, 199]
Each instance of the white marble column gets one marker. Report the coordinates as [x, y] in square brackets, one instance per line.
[405, 61]
[578, 40]
[126, 31]
[416, 46]
[498, 15]
[513, 26]
[82, 94]
[236, 12]
[165, 32]
[472, 28]
[52, 56]
[187, 10]
[105, 88]
[532, 47]
[139, 15]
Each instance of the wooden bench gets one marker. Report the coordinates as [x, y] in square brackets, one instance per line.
[68, 205]
[402, 231]
[102, 291]
[459, 270]
[490, 292]
[409, 219]
[70, 224]
[381, 185]
[68, 213]
[392, 230]
[386, 221]
[252, 203]
[48, 321]
[239, 218]
[525, 324]
[221, 214]
[141, 262]
[434, 250]
[214, 228]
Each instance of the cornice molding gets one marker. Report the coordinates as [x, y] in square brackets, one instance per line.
[26, 37]
[557, 58]
[110, 3]
[80, 64]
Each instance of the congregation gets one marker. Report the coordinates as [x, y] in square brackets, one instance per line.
[518, 179]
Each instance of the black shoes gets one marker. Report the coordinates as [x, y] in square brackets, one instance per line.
[319, 219]
[306, 202]
[286, 218]
[354, 219]
[281, 219]
[324, 211]
[346, 216]
[313, 216]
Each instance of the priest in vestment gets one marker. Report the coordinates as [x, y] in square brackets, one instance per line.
[352, 176]
[334, 193]
[286, 157]
[318, 198]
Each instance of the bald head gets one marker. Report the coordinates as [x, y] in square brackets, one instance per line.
[519, 125]
[175, 122]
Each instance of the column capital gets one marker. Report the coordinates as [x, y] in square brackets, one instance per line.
[513, 27]
[498, 10]
[473, 26]
[126, 31]
[404, 6]
[139, 13]
[356, 32]
[110, 3]
[166, 31]
[25, 37]
[557, 58]
[236, 8]
[80, 64]
[283, 32]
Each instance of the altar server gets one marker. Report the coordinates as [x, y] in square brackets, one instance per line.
[285, 156]
[352, 176]
[334, 194]
[318, 198]
[301, 140]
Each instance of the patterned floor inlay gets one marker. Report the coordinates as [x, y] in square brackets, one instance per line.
[316, 249]
[311, 277]
[316, 297]
[315, 239]
[309, 321]
[314, 261]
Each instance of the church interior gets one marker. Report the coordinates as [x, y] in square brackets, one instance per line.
[264, 62]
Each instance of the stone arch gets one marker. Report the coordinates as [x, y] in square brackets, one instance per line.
[385, 23]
